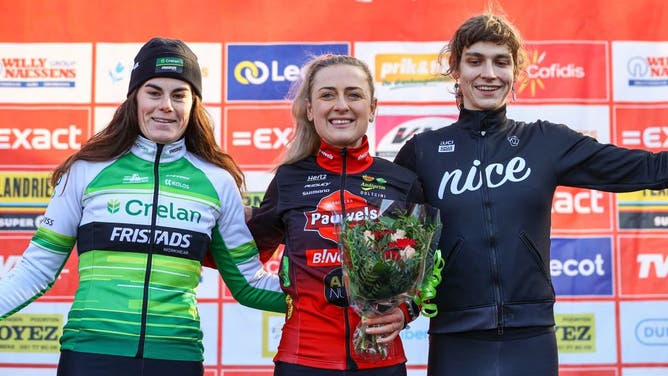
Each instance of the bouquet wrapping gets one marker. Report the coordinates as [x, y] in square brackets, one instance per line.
[388, 259]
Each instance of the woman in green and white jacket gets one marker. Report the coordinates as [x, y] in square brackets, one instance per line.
[143, 200]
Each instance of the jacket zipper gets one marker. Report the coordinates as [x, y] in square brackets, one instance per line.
[492, 240]
[350, 363]
[149, 251]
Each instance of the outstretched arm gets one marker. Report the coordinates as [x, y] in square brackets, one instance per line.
[32, 276]
[48, 250]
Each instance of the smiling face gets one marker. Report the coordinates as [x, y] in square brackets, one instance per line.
[485, 75]
[163, 109]
[341, 105]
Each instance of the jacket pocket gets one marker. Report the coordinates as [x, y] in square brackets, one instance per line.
[452, 255]
[537, 257]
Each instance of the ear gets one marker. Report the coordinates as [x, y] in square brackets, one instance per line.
[309, 110]
[374, 107]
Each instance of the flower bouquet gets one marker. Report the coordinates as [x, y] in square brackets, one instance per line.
[388, 260]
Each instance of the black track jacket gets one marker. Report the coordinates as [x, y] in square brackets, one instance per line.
[493, 180]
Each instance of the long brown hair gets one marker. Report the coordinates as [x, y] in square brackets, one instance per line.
[121, 132]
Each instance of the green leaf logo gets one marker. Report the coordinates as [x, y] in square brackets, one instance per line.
[113, 206]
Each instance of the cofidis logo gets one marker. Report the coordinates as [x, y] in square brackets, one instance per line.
[565, 70]
[265, 72]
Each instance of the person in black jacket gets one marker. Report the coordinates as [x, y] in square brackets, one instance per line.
[493, 180]
[327, 167]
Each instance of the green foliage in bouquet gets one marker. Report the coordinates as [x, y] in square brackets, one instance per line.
[385, 257]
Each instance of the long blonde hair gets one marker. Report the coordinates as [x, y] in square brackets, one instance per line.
[305, 141]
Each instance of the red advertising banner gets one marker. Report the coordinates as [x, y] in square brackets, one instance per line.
[256, 136]
[598, 66]
[41, 136]
[566, 71]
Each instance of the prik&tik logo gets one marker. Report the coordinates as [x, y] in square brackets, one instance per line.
[398, 69]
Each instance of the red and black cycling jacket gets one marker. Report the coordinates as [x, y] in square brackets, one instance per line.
[298, 210]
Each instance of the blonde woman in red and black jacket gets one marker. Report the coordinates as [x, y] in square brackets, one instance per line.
[328, 166]
[493, 180]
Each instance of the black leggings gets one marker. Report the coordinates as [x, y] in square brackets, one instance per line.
[518, 352]
[74, 363]
[288, 369]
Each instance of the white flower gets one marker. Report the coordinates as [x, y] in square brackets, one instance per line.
[368, 236]
[407, 253]
[399, 234]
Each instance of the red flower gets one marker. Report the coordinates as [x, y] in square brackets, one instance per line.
[380, 233]
[403, 243]
[393, 254]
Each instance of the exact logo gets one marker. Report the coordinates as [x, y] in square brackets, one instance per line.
[58, 132]
[262, 138]
[256, 136]
[581, 202]
[642, 127]
[40, 138]
[650, 137]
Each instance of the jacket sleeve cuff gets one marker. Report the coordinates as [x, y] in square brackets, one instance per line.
[411, 311]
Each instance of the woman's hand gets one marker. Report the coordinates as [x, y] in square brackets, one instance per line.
[386, 327]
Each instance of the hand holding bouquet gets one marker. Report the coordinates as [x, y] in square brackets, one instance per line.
[387, 261]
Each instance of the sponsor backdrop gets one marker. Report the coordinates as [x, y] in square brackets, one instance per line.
[599, 66]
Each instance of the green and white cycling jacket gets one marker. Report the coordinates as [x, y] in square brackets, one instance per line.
[141, 229]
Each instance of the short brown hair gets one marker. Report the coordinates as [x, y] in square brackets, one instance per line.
[486, 27]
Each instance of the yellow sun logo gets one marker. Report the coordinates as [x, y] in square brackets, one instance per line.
[532, 82]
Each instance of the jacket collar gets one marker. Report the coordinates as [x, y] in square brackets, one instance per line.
[357, 159]
[147, 150]
[488, 121]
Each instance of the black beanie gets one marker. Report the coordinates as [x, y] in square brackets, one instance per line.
[162, 57]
